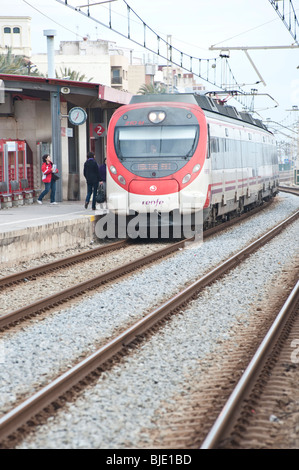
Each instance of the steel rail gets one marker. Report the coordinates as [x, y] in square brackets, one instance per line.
[287, 189]
[64, 262]
[244, 385]
[20, 414]
[26, 274]
[59, 297]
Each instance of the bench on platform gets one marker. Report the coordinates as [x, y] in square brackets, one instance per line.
[27, 193]
[17, 195]
[5, 197]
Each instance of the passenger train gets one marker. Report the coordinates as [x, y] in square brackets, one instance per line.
[177, 154]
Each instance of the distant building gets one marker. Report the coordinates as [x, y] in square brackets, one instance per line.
[15, 33]
[26, 115]
[89, 58]
[98, 61]
[176, 79]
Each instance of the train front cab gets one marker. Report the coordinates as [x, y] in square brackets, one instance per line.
[156, 167]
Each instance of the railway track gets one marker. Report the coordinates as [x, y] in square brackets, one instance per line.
[26, 410]
[43, 269]
[61, 263]
[57, 299]
[64, 295]
[289, 189]
[247, 417]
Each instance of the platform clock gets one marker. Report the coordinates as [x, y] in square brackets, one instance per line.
[77, 116]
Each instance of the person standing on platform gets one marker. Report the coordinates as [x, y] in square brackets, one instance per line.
[92, 176]
[48, 170]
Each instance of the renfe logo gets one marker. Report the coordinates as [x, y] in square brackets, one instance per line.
[134, 123]
[152, 203]
[153, 188]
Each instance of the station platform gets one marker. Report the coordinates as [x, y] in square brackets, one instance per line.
[31, 230]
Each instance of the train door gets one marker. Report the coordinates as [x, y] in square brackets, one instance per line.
[255, 169]
[241, 157]
[235, 153]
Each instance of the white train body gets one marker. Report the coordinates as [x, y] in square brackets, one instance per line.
[210, 161]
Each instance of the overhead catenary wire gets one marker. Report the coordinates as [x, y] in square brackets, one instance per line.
[287, 13]
[54, 21]
[208, 70]
[162, 47]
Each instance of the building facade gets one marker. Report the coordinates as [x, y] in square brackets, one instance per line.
[15, 32]
[111, 75]
[26, 115]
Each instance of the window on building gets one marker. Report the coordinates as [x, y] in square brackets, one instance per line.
[16, 30]
[116, 77]
[7, 36]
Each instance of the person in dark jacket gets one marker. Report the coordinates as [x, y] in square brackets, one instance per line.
[92, 176]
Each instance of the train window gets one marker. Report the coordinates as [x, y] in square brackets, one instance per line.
[161, 141]
[209, 143]
[214, 145]
[226, 145]
[161, 166]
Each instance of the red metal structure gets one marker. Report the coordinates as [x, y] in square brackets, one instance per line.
[16, 172]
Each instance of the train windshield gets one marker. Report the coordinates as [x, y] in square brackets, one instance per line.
[162, 141]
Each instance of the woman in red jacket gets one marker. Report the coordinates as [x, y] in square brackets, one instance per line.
[48, 170]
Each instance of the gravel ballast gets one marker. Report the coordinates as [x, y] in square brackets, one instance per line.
[112, 414]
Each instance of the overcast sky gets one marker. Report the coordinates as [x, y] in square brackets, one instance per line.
[194, 26]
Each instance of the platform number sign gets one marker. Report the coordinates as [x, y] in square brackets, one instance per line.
[99, 130]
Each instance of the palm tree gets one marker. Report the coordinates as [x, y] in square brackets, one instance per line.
[16, 64]
[151, 89]
[69, 74]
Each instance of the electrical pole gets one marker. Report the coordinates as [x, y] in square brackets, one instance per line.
[226, 50]
[55, 111]
[169, 59]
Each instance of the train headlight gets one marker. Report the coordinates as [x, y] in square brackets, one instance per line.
[186, 178]
[196, 168]
[113, 170]
[156, 116]
[121, 179]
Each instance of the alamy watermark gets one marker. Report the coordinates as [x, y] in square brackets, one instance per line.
[151, 225]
